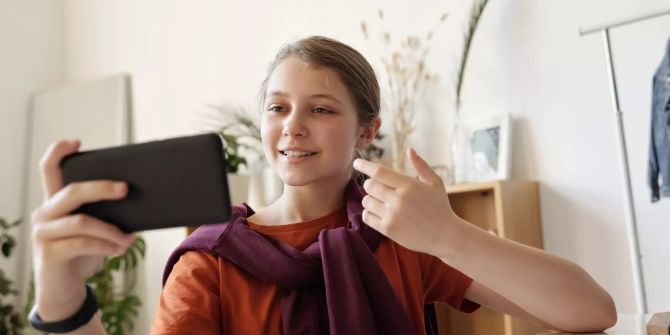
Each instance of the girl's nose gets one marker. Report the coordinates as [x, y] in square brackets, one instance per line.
[294, 126]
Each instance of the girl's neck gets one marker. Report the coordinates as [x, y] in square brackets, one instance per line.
[309, 202]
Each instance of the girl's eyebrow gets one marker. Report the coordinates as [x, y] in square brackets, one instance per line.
[326, 96]
[318, 95]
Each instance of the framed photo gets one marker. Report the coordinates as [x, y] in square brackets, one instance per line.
[490, 144]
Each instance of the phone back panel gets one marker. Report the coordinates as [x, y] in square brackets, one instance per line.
[172, 183]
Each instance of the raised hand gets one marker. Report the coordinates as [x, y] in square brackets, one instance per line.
[414, 212]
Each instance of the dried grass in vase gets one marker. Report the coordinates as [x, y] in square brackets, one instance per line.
[404, 81]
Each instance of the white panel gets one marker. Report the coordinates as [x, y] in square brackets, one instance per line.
[95, 112]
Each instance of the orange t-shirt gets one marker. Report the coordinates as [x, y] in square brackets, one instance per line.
[206, 294]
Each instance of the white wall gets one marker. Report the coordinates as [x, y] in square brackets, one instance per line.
[527, 59]
[31, 59]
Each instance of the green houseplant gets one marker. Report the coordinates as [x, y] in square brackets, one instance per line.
[118, 305]
[241, 137]
[117, 302]
[11, 320]
[240, 133]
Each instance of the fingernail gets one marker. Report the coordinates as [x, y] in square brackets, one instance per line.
[357, 163]
[120, 187]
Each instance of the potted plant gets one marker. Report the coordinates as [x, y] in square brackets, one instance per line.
[241, 136]
[11, 320]
[113, 285]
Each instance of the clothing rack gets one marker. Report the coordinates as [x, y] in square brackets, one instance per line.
[631, 221]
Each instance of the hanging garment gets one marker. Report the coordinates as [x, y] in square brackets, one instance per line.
[659, 147]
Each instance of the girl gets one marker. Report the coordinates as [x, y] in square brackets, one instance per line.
[329, 256]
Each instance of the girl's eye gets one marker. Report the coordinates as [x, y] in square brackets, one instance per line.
[275, 109]
[321, 110]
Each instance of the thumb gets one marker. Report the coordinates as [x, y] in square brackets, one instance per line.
[423, 170]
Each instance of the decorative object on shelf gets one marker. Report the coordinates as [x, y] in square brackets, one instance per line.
[404, 79]
[461, 155]
[490, 146]
[11, 321]
[444, 173]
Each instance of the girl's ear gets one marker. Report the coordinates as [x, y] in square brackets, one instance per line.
[368, 134]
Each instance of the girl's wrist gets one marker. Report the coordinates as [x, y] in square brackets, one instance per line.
[58, 292]
[58, 304]
[457, 236]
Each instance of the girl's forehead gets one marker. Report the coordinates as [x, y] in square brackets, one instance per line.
[294, 76]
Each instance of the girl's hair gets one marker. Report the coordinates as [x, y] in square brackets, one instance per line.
[353, 69]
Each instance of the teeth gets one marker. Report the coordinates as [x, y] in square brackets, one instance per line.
[297, 153]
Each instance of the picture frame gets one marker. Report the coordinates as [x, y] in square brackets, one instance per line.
[490, 138]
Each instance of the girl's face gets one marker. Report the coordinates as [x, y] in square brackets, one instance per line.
[309, 124]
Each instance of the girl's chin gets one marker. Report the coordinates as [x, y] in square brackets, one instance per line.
[291, 179]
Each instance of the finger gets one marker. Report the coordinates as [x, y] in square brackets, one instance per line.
[381, 173]
[423, 170]
[76, 194]
[69, 248]
[378, 190]
[82, 225]
[50, 172]
[375, 206]
[372, 220]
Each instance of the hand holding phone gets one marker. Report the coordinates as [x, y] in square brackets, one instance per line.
[67, 249]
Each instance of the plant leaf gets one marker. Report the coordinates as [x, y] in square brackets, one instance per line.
[8, 245]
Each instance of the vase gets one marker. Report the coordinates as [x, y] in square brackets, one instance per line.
[461, 151]
[398, 149]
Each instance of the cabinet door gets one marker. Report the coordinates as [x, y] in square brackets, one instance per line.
[484, 207]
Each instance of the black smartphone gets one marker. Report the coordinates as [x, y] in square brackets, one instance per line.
[171, 183]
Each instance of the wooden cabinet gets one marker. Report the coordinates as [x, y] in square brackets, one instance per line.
[509, 209]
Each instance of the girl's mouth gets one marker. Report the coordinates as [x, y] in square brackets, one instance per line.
[292, 153]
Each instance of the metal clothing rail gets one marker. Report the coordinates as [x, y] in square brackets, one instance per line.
[623, 22]
[631, 221]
